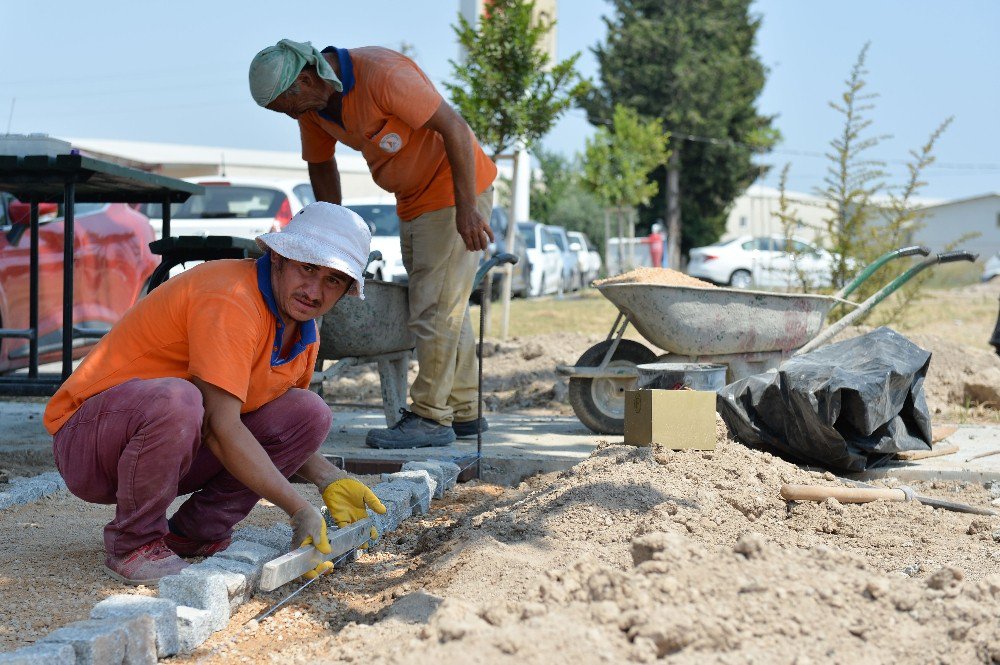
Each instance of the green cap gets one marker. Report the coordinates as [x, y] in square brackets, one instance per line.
[275, 68]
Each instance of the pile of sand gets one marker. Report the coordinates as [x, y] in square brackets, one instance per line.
[662, 276]
[959, 375]
[639, 554]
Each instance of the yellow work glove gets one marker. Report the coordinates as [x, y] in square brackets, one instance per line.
[309, 528]
[347, 500]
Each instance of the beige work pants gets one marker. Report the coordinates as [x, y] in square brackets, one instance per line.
[441, 271]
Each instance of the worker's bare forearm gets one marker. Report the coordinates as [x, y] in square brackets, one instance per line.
[318, 471]
[325, 179]
[242, 456]
[458, 147]
[238, 450]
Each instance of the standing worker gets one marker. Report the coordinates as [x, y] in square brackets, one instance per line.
[655, 242]
[379, 102]
[202, 388]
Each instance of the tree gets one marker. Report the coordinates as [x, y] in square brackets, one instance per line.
[617, 162]
[690, 63]
[506, 89]
[869, 217]
[560, 197]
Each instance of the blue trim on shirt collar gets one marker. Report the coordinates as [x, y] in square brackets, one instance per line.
[346, 73]
[308, 333]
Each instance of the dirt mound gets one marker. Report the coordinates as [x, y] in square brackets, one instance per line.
[643, 553]
[518, 374]
[663, 276]
[959, 375]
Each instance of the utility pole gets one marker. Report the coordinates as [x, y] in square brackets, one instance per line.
[673, 194]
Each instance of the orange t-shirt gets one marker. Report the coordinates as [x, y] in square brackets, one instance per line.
[214, 322]
[387, 100]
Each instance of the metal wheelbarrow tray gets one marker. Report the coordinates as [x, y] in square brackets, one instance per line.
[749, 331]
[695, 321]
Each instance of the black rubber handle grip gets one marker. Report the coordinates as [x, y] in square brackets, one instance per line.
[922, 250]
[506, 257]
[960, 255]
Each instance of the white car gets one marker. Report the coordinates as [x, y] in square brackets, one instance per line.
[762, 261]
[238, 206]
[380, 213]
[588, 257]
[545, 262]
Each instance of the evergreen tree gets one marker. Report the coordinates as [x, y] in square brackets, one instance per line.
[690, 63]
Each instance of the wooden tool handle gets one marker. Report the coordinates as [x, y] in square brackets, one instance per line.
[842, 494]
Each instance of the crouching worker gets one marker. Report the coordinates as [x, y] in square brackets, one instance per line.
[202, 389]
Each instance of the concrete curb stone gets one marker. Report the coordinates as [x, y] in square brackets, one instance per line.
[204, 591]
[247, 551]
[28, 490]
[276, 537]
[396, 498]
[41, 654]
[94, 642]
[251, 575]
[194, 626]
[424, 486]
[162, 610]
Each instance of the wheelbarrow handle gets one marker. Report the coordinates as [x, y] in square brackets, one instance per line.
[373, 256]
[504, 257]
[959, 255]
[913, 250]
[883, 293]
[869, 270]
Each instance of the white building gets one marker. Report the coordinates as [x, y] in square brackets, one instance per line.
[755, 213]
[187, 161]
[946, 222]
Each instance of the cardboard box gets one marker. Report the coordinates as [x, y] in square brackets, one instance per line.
[677, 419]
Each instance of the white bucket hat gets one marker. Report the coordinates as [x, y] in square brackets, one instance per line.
[326, 235]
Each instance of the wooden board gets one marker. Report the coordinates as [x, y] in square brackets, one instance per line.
[942, 432]
[289, 566]
[935, 451]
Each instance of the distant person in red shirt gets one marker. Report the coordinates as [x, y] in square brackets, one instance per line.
[655, 242]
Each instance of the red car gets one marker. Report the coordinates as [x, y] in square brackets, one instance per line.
[111, 265]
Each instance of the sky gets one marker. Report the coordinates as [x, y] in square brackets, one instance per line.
[176, 72]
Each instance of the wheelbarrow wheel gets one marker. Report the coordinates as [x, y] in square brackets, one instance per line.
[600, 403]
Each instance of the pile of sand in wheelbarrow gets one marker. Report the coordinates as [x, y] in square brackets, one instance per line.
[642, 553]
[663, 276]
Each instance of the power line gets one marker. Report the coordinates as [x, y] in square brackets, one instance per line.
[821, 155]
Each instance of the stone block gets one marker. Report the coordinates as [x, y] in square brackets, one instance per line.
[247, 551]
[28, 490]
[424, 486]
[162, 610]
[450, 471]
[140, 645]
[94, 642]
[251, 574]
[278, 537]
[396, 498]
[205, 590]
[236, 582]
[193, 627]
[40, 654]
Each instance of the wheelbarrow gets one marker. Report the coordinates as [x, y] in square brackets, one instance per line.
[375, 330]
[749, 331]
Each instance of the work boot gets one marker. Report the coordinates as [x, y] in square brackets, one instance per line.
[467, 429]
[145, 564]
[412, 431]
[184, 546]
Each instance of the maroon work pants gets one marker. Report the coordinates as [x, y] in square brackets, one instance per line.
[138, 445]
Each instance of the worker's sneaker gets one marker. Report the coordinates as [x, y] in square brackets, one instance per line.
[145, 564]
[412, 431]
[184, 546]
[468, 428]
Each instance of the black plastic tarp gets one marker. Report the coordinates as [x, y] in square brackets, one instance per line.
[845, 406]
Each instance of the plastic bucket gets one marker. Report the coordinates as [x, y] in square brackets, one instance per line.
[678, 376]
